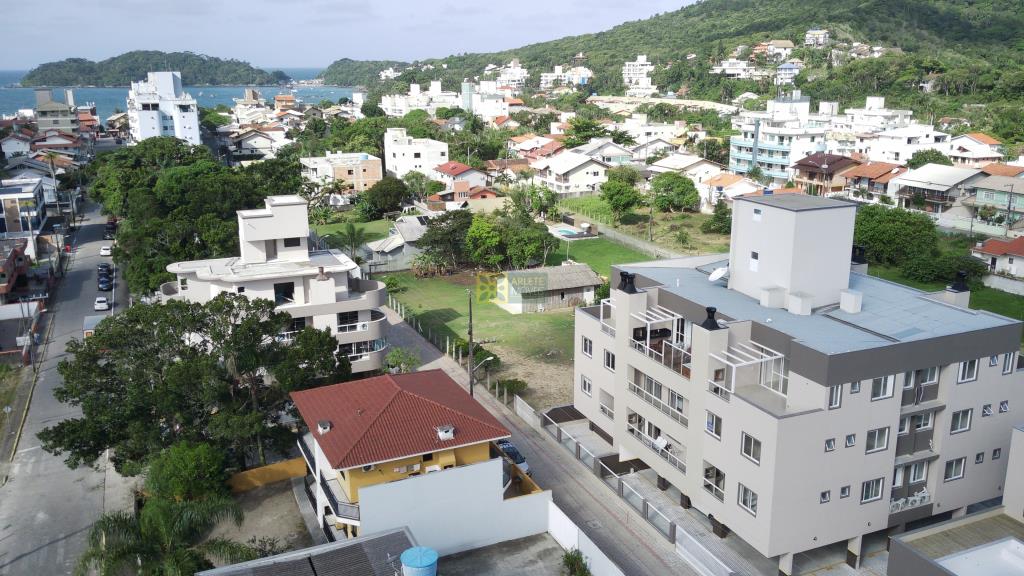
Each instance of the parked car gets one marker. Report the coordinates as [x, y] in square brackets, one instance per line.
[104, 266]
[108, 235]
[104, 284]
[105, 251]
[515, 455]
[101, 304]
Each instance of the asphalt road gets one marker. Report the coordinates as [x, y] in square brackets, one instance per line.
[46, 509]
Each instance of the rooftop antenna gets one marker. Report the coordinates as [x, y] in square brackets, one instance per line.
[718, 273]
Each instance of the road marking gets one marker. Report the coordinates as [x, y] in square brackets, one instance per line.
[23, 450]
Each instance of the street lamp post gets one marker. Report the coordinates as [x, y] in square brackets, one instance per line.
[1009, 207]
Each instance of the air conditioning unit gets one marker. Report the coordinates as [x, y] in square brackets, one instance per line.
[433, 468]
[363, 326]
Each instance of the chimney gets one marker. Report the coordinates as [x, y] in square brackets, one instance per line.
[710, 323]
[627, 282]
[320, 276]
[957, 293]
[446, 432]
[323, 426]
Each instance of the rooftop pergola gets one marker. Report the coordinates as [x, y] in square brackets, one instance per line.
[770, 365]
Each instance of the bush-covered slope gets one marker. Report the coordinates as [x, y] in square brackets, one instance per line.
[196, 69]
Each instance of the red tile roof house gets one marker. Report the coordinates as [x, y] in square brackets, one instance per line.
[1002, 256]
[413, 450]
[451, 172]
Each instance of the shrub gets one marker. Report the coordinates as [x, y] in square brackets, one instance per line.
[512, 386]
[683, 237]
[187, 471]
[394, 285]
[575, 563]
[885, 200]
[720, 222]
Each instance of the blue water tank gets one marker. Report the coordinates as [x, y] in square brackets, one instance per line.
[419, 561]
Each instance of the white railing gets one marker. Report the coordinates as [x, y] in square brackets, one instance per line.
[659, 404]
[608, 329]
[287, 337]
[356, 327]
[670, 356]
[607, 411]
[662, 451]
[919, 499]
[718, 390]
[715, 491]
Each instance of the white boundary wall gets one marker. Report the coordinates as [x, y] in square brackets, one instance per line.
[569, 536]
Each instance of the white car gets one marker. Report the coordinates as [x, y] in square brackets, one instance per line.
[101, 304]
[105, 251]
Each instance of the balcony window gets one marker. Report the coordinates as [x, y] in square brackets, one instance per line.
[871, 490]
[904, 427]
[918, 472]
[921, 421]
[284, 293]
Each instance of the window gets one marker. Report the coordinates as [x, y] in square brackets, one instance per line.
[284, 292]
[748, 499]
[753, 261]
[586, 385]
[714, 481]
[851, 440]
[588, 347]
[844, 492]
[240, 290]
[1008, 362]
[757, 214]
[609, 360]
[826, 496]
[652, 386]
[986, 410]
[979, 458]
[751, 447]
[871, 490]
[292, 242]
[677, 402]
[918, 472]
[922, 421]
[897, 477]
[961, 421]
[416, 154]
[183, 283]
[908, 380]
[877, 440]
[904, 426]
[927, 375]
[835, 396]
[830, 444]
[954, 469]
[713, 425]
[854, 387]
[1004, 406]
[882, 387]
[968, 371]
[997, 453]
[993, 360]
[428, 457]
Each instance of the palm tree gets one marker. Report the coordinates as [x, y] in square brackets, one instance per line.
[164, 538]
[351, 238]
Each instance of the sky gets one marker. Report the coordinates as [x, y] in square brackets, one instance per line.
[301, 33]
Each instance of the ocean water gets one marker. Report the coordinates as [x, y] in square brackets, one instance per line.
[109, 99]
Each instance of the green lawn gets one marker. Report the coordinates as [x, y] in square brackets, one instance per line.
[600, 254]
[442, 304]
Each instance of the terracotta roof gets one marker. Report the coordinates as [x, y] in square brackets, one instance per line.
[499, 120]
[514, 101]
[871, 170]
[724, 180]
[885, 178]
[453, 168]
[983, 138]
[284, 97]
[998, 169]
[997, 247]
[389, 417]
[823, 162]
[523, 138]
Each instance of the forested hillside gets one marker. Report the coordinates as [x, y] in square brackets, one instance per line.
[972, 52]
[196, 70]
[349, 72]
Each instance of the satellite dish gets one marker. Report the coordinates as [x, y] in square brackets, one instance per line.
[718, 274]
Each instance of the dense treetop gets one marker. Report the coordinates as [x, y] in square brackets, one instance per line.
[196, 70]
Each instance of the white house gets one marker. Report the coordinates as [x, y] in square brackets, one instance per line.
[323, 289]
[605, 150]
[733, 68]
[561, 76]
[642, 152]
[16, 144]
[570, 173]
[975, 150]
[899, 144]
[816, 38]
[786, 73]
[513, 75]
[159, 106]
[404, 154]
[399, 105]
[451, 172]
[693, 167]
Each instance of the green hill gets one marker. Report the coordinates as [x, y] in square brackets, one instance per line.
[973, 50]
[196, 70]
[349, 72]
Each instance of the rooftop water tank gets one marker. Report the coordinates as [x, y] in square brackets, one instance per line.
[419, 561]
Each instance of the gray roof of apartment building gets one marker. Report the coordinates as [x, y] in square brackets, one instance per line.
[1001, 184]
[797, 202]
[891, 313]
[371, 555]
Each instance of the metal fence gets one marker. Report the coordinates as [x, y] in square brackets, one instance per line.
[615, 482]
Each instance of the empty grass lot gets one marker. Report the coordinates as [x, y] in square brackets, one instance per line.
[599, 253]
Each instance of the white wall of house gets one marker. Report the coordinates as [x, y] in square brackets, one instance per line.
[159, 107]
[403, 154]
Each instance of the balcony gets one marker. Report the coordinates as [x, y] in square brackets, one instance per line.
[660, 447]
[657, 403]
[360, 295]
[928, 195]
[337, 500]
[372, 329]
[922, 498]
[607, 411]
[667, 354]
[307, 450]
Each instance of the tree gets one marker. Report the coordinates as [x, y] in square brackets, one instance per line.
[401, 361]
[620, 197]
[528, 243]
[622, 138]
[720, 221]
[187, 471]
[625, 173]
[483, 243]
[351, 237]
[673, 191]
[894, 236]
[445, 238]
[164, 538]
[582, 130]
[371, 110]
[928, 156]
[417, 183]
[385, 196]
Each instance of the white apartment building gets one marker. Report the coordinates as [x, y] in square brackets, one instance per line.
[899, 144]
[826, 405]
[513, 75]
[643, 131]
[399, 105]
[733, 68]
[159, 106]
[323, 289]
[484, 101]
[786, 73]
[404, 154]
[561, 76]
[776, 138]
[636, 77]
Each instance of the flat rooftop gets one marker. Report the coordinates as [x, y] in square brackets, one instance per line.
[984, 544]
[797, 202]
[232, 270]
[891, 313]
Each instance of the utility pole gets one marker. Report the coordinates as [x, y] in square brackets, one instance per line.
[471, 360]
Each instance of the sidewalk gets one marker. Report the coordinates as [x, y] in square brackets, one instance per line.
[621, 533]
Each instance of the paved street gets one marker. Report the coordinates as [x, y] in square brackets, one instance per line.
[620, 532]
[45, 508]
